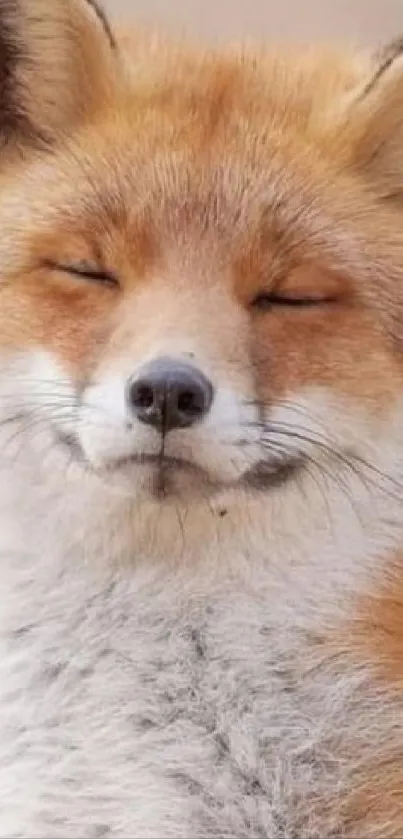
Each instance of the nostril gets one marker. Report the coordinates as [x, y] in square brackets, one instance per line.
[142, 396]
[188, 403]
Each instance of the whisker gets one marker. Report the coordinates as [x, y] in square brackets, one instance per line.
[357, 464]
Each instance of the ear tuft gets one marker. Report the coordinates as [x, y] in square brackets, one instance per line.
[56, 62]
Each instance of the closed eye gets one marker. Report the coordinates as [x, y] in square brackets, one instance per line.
[86, 272]
[265, 301]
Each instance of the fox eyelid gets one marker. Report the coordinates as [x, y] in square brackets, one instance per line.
[86, 272]
[264, 301]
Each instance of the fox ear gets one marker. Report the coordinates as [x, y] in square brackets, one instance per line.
[56, 64]
[373, 121]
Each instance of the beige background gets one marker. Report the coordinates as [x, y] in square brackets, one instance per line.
[364, 21]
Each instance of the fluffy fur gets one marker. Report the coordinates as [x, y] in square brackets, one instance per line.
[203, 655]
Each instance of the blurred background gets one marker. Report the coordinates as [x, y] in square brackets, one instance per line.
[358, 21]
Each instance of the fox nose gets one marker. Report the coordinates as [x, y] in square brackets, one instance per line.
[169, 394]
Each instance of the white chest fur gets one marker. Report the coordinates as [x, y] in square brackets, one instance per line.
[161, 670]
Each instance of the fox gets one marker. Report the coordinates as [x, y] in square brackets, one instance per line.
[201, 434]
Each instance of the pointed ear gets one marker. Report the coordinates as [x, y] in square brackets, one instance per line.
[56, 66]
[372, 123]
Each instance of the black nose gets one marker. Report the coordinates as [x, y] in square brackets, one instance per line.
[170, 394]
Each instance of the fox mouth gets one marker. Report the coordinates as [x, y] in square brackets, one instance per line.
[260, 477]
[167, 470]
[160, 461]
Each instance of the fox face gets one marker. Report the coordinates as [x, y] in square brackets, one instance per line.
[200, 256]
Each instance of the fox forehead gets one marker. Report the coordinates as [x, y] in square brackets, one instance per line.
[209, 88]
[223, 140]
[214, 111]
[232, 144]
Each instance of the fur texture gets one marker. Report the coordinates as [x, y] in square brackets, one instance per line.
[209, 643]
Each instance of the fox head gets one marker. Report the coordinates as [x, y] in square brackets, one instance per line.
[201, 253]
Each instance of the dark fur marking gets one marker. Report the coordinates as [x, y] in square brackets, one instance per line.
[101, 15]
[15, 121]
[386, 57]
[198, 643]
[13, 118]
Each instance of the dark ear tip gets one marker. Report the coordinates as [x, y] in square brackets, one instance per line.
[383, 60]
[386, 55]
[103, 19]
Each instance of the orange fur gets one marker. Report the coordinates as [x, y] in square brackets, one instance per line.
[374, 639]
